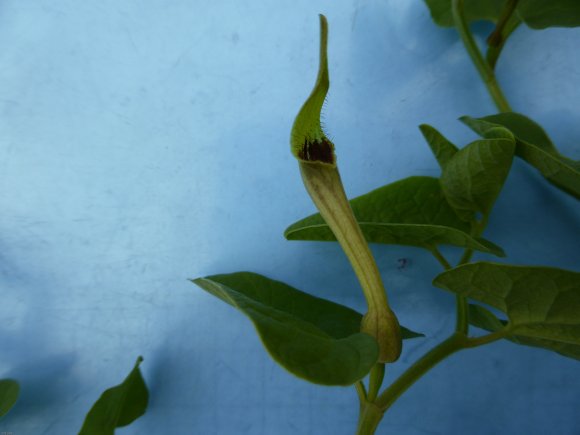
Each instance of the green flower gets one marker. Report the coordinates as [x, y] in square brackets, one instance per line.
[317, 160]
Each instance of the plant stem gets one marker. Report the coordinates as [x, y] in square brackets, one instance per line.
[462, 310]
[506, 24]
[496, 37]
[454, 343]
[361, 392]
[375, 381]
[372, 411]
[369, 418]
[489, 338]
[466, 257]
[440, 258]
[485, 71]
[462, 323]
[462, 306]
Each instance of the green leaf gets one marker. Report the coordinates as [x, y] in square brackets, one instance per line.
[522, 127]
[314, 339]
[441, 147]
[441, 10]
[541, 303]
[485, 319]
[540, 14]
[407, 334]
[535, 147]
[118, 406]
[537, 14]
[9, 390]
[412, 211]
[473, 178]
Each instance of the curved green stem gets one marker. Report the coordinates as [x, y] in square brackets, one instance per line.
[361, 392]
[440, 258]
[466, 257]
[454, 343]
[496, 37]
[506, 24]
[462, 310]
[488, 338]
[369, 418]
[462, 322]
[375, 381]
[485, 71]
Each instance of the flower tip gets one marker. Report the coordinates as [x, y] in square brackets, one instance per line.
[309, 144]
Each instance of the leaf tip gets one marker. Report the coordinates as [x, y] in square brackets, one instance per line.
[287, 232]
[308, 141]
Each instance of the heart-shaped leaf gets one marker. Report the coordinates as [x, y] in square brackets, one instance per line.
[474, 176]
[314, 339]
[412, 211]
[537, 14]
[118, 406]
[522, 127]
[541, 303]
[540, 14]
[535, 147]
[474, 10]
[483, 318]
[441, 147]
[9, 390]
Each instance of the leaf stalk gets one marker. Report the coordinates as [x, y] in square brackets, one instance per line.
[375, 381]
[506, 24]
[484, 69]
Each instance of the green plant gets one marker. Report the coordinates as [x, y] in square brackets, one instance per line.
[9, 390]
[118, 406]
[330, 344]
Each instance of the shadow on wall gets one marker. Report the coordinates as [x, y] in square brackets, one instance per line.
[43, 377]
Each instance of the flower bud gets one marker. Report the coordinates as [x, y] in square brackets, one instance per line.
[315, 153]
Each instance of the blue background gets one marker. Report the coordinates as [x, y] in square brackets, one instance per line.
[144, 143]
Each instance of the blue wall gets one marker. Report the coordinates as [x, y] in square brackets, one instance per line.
[144, 143]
